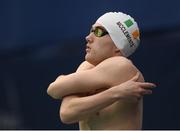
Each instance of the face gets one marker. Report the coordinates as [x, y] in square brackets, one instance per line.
[99, 45]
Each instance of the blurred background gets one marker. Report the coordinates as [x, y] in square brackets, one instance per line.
[41, 39]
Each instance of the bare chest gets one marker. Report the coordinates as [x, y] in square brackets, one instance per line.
[119, 115]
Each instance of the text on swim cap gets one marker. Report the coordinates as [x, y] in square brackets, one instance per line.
[126, 33]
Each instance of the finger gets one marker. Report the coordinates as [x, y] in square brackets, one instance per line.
[136, 77]
[147, 85]
[147, 92]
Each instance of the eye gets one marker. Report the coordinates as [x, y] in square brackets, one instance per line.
[98, 32]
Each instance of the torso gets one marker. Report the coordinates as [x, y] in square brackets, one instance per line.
[120, 115]
[123, 114]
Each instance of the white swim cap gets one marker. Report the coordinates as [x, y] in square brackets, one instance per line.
[123, 30]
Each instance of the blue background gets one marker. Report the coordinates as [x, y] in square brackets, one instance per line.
[41, 39]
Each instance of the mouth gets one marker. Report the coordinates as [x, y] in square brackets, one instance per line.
[88, 48]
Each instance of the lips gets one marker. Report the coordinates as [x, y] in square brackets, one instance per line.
[88, 48]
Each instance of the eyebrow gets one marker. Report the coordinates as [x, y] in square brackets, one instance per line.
[101, 27]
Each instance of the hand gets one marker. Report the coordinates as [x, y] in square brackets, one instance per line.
[132, 89]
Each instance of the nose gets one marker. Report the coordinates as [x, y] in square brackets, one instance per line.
[89, 38]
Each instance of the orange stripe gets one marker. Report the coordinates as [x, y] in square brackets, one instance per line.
[135, 34]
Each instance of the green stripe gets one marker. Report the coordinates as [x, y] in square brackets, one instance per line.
[128, 23]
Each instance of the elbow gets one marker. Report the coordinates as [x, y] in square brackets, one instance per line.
[67, 117]
[52, 92]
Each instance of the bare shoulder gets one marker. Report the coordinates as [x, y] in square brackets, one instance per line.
[85, 63]
[85, 66]
[117, 62]
[118, 69]
[126, 65]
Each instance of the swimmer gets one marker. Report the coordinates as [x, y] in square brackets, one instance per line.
[106, 91]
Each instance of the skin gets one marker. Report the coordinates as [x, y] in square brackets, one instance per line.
[105, 92]
[100, 48]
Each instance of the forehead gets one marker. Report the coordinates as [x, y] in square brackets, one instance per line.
[97, 25]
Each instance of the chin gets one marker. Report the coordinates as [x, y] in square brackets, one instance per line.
[90, 59]
[86, 57]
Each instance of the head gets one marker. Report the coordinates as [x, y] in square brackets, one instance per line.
[113, 34]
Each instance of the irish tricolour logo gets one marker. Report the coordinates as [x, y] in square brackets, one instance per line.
[129, 23]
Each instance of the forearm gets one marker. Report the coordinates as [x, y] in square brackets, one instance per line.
[79, 82]
[79, 108]
[59, 89]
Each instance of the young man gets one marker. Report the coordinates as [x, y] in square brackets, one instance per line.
[106, 90]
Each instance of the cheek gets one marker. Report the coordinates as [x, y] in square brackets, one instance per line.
[96, 48]
[106, 48]
[103, 52]
[102, 49]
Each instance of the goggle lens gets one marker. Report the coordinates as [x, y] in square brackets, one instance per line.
[98, 32]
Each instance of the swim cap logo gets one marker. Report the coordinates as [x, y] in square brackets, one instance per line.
[129, 23]
[135, 34]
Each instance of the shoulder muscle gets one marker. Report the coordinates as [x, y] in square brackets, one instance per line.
[116, 70]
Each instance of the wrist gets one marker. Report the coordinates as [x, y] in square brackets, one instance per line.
[116, 93]
[113, 94]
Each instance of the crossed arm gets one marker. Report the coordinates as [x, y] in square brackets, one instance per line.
[104, 75]
[75, 108]
[78, 107]
[75, 83]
